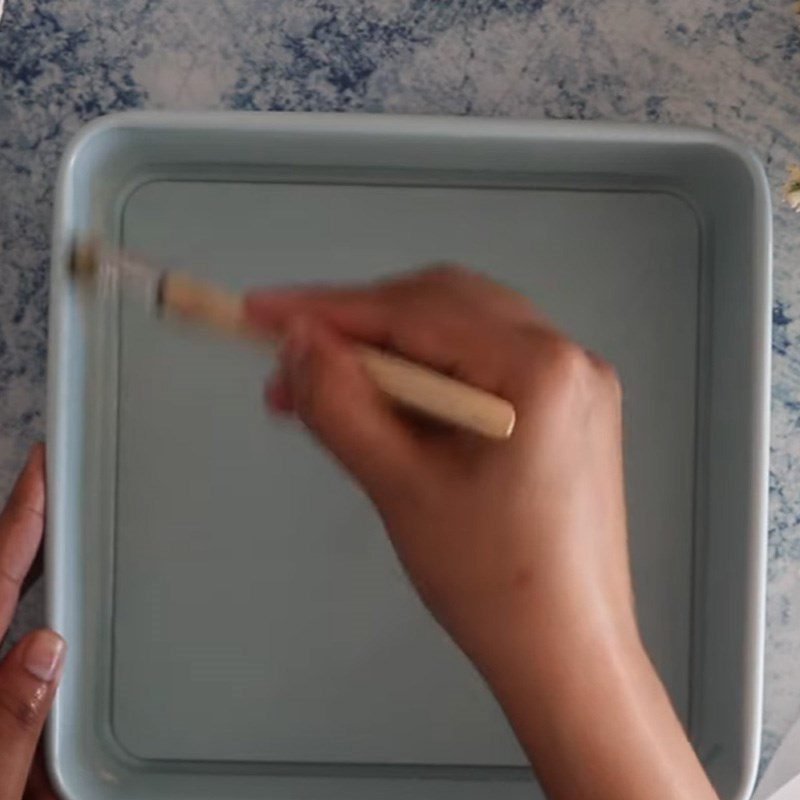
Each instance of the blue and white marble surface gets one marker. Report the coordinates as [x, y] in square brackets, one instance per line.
[729, 64]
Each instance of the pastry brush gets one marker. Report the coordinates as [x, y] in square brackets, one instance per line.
[412, 385]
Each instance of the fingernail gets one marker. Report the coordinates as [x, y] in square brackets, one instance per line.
[44, 655]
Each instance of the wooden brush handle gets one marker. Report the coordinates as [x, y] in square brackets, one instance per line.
[412, 385]
[438, 396]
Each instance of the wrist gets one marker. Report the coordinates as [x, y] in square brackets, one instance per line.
[590, 696]
[541, 643]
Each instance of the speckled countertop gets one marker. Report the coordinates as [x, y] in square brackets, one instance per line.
[729, 64]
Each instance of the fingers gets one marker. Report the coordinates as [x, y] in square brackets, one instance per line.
[457, 322]
[39, 786]
[335, 398]
[21, 527]
[29, 673]
[278, 395]
[28, 678]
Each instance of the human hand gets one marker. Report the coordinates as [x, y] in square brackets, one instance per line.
[31, 670]
[487, 531]
[518, 548]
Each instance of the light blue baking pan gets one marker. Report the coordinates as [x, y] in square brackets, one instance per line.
[238, 626]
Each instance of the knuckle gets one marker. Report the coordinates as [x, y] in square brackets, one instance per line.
[515, 304]
[609, 378]
[9, 590]
[8, 575]
[507, 303]
[560, 365]
[565, 361]
[25, 710]
[562, 373]
[445, 272]
[606, 378]
[18, 513]
[431, 282]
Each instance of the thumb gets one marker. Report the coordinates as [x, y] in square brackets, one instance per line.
[28, 678]
[338, 402]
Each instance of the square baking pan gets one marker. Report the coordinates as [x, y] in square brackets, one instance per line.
[238, 624]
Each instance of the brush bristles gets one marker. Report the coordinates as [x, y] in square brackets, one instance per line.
[93, 262]
[84, 259]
